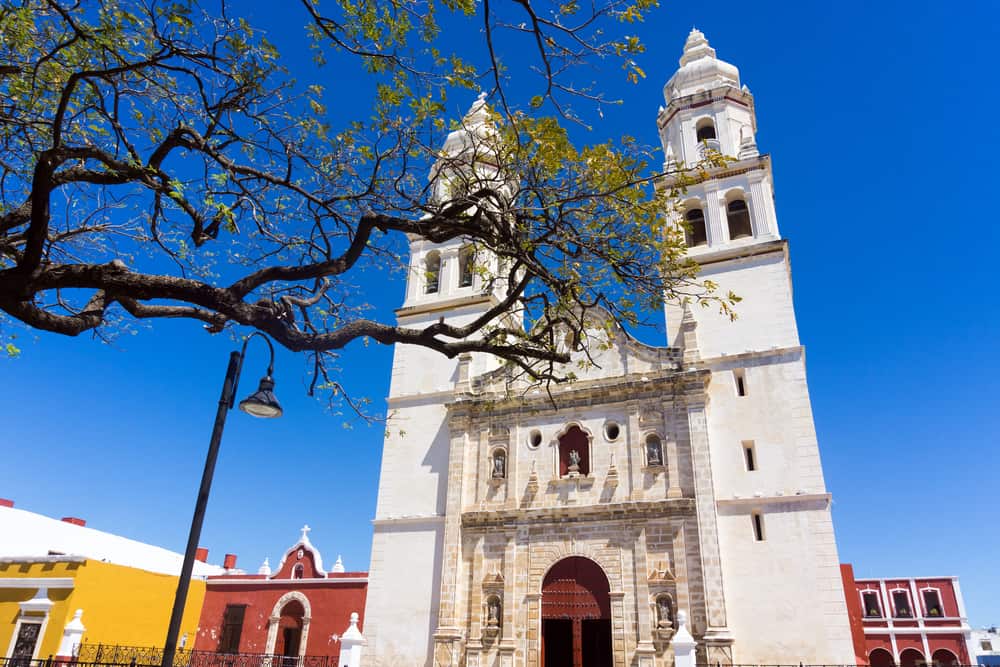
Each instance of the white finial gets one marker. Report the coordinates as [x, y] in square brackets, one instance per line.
[482, 96]
[305, 532]
[696, 47]
[354, 618]
[265, 568]
[339, 565]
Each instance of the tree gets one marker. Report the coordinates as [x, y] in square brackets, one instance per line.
[161, 159]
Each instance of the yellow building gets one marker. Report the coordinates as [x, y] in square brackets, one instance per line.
[62, 583]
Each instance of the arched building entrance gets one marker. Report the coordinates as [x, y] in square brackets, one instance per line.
[288, 629]
[576, 615]
[880, 658]
[911, 657]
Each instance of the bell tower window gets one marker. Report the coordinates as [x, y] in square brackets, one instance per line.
[705, 130]
[739, 219]
[465, 264]
[696, 234]
[432, 272]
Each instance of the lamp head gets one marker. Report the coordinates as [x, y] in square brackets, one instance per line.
[262, 403]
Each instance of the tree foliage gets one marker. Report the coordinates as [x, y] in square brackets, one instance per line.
[161, 159]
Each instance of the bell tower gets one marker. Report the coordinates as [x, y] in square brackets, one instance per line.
[782, 586]
[445, 281]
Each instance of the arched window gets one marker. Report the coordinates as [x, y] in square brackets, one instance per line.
[432, 272]
[654, 450]
[705, 129]
[466, 263]
[298, 571]
[574, 452]
[695, 233]
[739, 219]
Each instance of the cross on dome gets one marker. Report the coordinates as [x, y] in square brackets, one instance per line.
[305, 532]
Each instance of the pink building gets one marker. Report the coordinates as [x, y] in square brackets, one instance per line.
[908, 621]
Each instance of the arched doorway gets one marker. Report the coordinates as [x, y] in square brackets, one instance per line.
[576, 615]
[880, 658]
[944, 658]
[289, 638]
[911, 657]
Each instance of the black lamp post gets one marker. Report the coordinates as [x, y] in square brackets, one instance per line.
[261, 403]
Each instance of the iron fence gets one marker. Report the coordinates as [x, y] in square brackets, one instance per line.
[144, 656]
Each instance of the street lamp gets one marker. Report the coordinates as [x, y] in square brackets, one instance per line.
[261, 403]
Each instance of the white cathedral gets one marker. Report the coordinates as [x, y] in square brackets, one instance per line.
[668, 481]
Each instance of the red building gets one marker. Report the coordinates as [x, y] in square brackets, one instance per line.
[298, 610]
[907, 621]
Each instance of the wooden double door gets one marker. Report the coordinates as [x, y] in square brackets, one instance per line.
[576, 615]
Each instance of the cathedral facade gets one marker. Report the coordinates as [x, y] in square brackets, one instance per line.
[574, 531]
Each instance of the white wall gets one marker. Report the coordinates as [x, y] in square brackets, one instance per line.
[403, 593]
[765, 316]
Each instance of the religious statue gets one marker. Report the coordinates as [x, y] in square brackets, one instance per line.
[574, 461]
[498, 467]
[663, 612]
[493, 612]
[654, 455]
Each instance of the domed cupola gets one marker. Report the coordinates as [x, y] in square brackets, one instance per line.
[700, 70]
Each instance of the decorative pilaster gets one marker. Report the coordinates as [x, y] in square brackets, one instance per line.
[448, 637]
[717, 632]
[673, 460]
[634, 450]
[689, 336]
[718, 232]
[645, 651]
[761, 206]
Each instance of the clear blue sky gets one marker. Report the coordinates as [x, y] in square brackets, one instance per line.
[880, 121]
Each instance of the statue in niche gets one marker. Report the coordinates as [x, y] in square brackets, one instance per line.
[663, 614]
[499, 466]
[654, 451]
[493, 612]
[574, 461]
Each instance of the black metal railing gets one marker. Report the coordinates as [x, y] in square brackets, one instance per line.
[147, 656]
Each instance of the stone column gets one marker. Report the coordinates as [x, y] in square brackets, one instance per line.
[304, 637]
[715, 219]
[761, 206]
[448, 281]
[617, 599]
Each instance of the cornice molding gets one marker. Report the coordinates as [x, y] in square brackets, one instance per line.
[447, 304]
[627, 512]
[36, 582]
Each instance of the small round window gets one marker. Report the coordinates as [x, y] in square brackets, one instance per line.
[612, 430]
[535, 439]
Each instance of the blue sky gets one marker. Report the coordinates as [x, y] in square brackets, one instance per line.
[878, 117]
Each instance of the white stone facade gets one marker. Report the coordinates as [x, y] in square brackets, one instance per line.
[697, 485]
